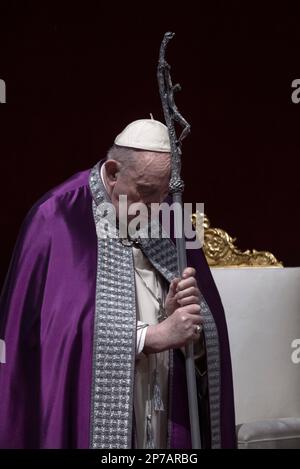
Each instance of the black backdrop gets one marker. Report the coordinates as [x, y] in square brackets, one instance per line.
[76, 77]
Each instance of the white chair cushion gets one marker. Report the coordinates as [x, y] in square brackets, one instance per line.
[269, 434]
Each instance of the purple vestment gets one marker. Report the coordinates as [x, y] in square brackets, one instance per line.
[47, 312]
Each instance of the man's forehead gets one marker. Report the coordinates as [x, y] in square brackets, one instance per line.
[152, 179]
[152, 164]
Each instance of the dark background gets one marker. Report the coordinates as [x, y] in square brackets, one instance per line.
[76, 75]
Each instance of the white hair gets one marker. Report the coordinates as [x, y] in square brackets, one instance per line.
[124, 155]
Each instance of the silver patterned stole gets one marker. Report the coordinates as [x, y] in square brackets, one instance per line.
[114, 345]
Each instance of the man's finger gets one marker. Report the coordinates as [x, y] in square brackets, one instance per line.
[174, 284]
[191, 291]
[189, 282]
[189, 300]
[189, 272]
[191, 309]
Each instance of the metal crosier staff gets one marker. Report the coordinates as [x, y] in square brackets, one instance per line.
[176, 187]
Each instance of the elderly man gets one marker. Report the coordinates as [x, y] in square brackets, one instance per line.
[94, 325]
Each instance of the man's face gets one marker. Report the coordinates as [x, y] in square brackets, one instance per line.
[144, 182]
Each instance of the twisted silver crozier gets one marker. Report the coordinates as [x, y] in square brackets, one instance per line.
[176, 187]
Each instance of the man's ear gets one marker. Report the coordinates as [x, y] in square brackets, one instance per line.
[112, 169]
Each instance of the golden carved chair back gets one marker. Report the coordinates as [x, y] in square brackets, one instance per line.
[220, 249]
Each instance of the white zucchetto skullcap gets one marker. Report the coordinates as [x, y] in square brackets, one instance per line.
[145, 134]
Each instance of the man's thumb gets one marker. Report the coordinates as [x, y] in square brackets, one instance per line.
[173, 285]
